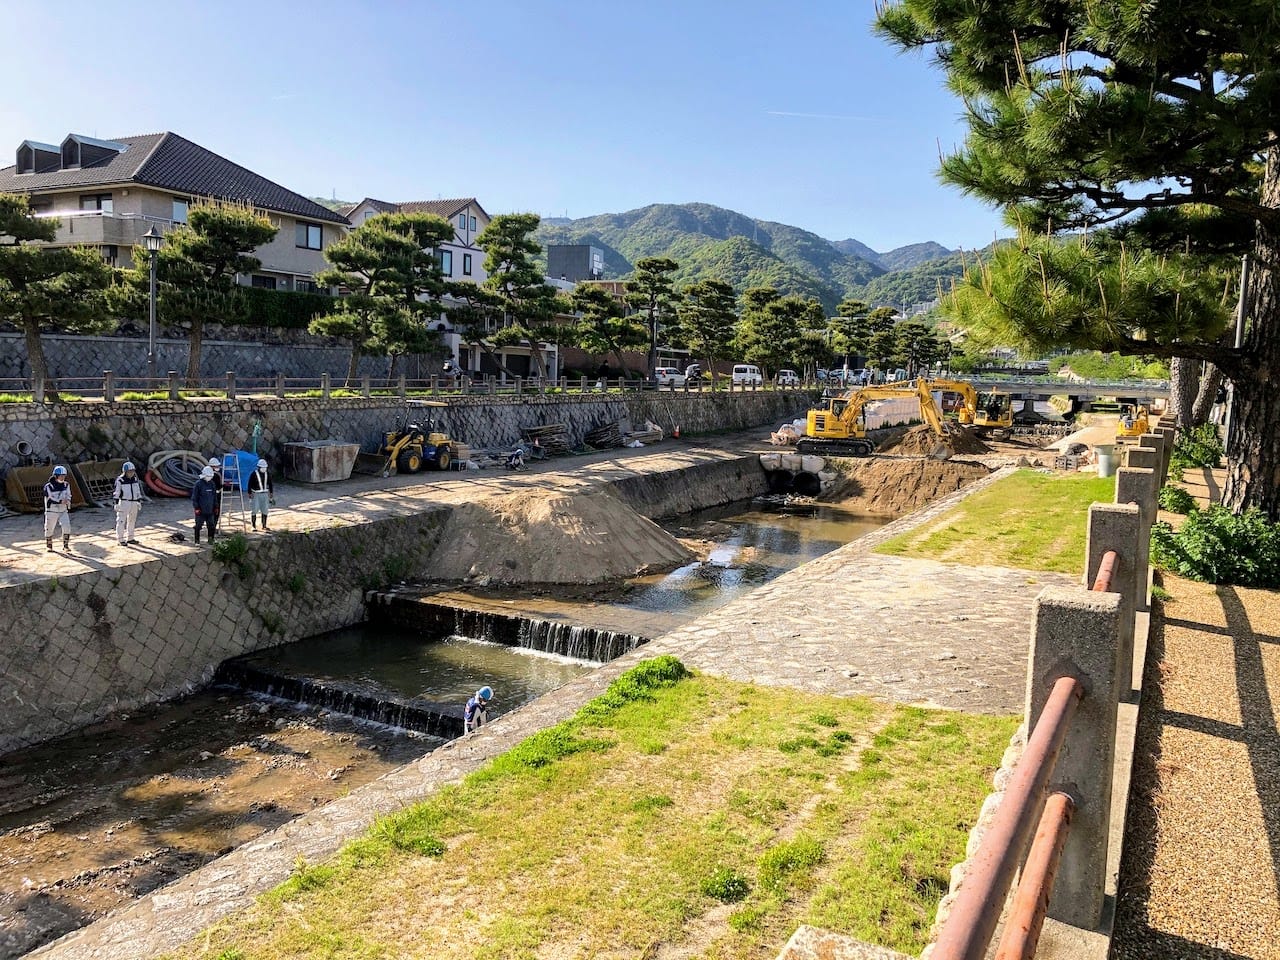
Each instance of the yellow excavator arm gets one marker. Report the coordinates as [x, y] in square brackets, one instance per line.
[838, 427]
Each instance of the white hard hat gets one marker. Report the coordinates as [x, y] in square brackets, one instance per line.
[215, 462]
[262, 464]
[206, 473]
[126, 467]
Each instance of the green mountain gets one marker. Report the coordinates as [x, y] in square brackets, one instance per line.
[334, 205]
[710, 241]
[913, 255]
[921, 282]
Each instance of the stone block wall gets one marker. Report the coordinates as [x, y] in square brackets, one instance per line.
[72, 432]
[79, 648]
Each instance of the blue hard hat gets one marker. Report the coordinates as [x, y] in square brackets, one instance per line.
[127, 466]
[59, 471]
[485, 693]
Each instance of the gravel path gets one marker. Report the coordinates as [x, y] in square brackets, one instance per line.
[1200, 876]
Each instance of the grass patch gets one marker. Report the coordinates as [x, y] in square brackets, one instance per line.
[1030, 520]
[584, 835]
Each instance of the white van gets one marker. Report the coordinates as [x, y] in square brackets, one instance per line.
[747, 374]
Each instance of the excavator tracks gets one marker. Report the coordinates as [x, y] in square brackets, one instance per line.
[835, 448]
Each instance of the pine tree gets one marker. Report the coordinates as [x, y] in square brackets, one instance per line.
[1083, 114]
[651, 292]
[530, 307]
[706, 320]
[603, 325]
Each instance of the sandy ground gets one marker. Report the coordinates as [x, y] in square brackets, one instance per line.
[893, 488]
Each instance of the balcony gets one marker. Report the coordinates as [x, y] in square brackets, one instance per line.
[96, 227]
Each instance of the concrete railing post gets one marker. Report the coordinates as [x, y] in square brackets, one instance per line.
[366, 386]
[280, 385]
[402, 389]
[434, 386]
[1075, 633]
[582, 385]
[231, 385]
[325, 383]
[564, 384]
[519, 386]
[1118, 527]
[1136, 485]
[1156, 442]
[108, 386]
[1170, 434]
[175, 388]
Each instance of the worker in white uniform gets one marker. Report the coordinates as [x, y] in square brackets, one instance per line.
[128, 496]
[57, 508]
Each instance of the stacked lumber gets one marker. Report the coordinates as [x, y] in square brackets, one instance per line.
[605, 436]
[644, 436]
[553, 438]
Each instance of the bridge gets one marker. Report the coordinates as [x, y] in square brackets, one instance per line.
[1042, 388]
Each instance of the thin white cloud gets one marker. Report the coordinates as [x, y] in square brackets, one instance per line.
[819, 116]
[285, 96]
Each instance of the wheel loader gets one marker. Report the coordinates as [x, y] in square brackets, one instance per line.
[416, 443]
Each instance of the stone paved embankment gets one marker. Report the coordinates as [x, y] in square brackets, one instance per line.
[852, 622]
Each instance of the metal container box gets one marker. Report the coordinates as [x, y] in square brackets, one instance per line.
[319, 461]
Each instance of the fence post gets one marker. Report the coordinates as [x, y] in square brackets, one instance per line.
[1137, 485]
[1075, 633]
[582, 385]
[564, 384]
[325, 383]
[1156, 442]
[401, 389]
[435, 385]
[108, 386]
[519, 386]
[175, 390]
[1118, 527]
[1170, 434]
[231, 385]
[542, 386]
[37, 390]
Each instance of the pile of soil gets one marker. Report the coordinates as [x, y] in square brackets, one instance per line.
[923, 442]
[543, 537]
[894, 488]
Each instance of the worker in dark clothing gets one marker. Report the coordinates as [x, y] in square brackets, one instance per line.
[204, 500]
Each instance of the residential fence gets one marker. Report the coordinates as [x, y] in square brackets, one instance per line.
[1053, 823]
[174, 386]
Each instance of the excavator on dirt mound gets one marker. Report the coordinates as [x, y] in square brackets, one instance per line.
[987, 414]
[839, 428]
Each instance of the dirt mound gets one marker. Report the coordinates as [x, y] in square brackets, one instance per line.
[893, 488]
[543, 537]
[922, 442]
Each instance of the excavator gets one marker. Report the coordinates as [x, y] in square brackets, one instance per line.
[839, 428]
[1134, 422]
[986, 413]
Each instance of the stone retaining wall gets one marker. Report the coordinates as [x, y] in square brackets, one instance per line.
[88, 430]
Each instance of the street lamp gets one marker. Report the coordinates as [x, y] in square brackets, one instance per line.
[152, 240]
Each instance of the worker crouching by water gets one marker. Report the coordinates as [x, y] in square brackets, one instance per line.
[128, 497]
[477, 711]
[204, 501]
[261, 492]
[57, 508]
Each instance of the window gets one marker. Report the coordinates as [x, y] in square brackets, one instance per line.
[96, 201]
[41, 208]
[306, 286]
[446, 262]
[308, 235]
[462, 221]
[110, 254]
[466, 264]
[263, 283]
[473, 224]
[180, 207]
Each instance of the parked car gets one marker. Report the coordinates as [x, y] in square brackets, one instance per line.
[668, 377]
[747, 374]
[787, 378]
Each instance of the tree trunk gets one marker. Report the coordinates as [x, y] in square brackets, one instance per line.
[539, 365]
[193, 352]
[653, 343]
[1209, 385]
[622, 365]
[393, 370]
[35, 355]
[353, 365]
[1184, 373]
[1253, 439]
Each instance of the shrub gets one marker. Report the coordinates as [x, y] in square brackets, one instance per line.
[786, 859]
[1217, 546]
[1176, 500]
[1198, 447]
[231, 550]
[726, 885]
[281, 308]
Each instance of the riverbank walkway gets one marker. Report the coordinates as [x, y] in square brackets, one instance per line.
[1200, 878]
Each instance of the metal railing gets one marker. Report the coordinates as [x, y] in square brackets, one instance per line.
[111, 388]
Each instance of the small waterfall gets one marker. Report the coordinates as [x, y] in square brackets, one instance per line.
[435, 719]
[425, 616]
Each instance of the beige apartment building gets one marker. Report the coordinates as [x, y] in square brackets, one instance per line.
[107, 193]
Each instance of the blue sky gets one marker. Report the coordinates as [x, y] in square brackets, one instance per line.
[789, 112]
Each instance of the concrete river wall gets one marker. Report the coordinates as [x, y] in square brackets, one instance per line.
[83, 647]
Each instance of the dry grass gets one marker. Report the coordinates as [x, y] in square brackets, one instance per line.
[841, 812]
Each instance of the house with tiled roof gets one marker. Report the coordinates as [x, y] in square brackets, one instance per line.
[107, 193]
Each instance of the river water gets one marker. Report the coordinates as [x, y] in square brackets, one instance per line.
[92, 820]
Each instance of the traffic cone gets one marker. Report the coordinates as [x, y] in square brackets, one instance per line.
[675, 434]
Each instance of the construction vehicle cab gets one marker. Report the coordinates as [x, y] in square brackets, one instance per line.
[986, 413]
[1134, 422]
[838, 428]
[418, 442]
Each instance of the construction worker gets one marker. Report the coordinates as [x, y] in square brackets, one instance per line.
[477, 711]
[204, 501]
[128, 496]
[57, 508]
[261, 492]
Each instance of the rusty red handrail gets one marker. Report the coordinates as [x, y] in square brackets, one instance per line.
[1106, 572]
[1031, 901]
[967, 932]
